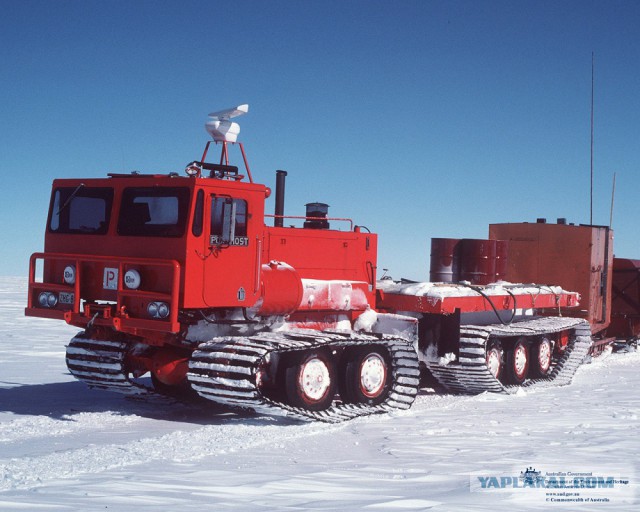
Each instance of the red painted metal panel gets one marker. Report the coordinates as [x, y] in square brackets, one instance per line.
[577, 258]
[625, 306]
[325, 254]
[231, 272]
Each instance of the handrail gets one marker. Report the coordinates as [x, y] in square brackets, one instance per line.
[302, 217]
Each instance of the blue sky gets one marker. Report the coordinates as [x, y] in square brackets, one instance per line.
[418, 119]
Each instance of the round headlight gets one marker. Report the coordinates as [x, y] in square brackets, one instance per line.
[132, 279]
[70, 274]
[47, 300]
[163, 310]
[43, 299]
[152, 309]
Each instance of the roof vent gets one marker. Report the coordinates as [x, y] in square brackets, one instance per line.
[317, 216]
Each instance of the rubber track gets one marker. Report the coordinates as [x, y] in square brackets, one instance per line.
[470, 374]
[100, 364]
[224, 371]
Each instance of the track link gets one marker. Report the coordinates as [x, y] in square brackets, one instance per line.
[225, 370]
[100, 364]
[470, 374]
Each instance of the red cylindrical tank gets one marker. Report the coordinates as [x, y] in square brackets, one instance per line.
[445, 261]
[281, 290]
[478, 261]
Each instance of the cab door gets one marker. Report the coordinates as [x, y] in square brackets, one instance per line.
[232, 262]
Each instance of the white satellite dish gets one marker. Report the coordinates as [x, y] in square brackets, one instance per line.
[221, 128]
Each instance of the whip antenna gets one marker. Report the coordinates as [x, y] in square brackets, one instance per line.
[591, 197]
[613, 194]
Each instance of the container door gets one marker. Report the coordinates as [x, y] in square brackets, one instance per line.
[601, 263]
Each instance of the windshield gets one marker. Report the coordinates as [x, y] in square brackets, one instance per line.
[153, 211]
[80, 210]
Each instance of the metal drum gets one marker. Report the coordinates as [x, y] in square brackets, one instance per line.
[478, 261]
[445, 260]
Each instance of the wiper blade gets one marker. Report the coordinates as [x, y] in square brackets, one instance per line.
[70, 198]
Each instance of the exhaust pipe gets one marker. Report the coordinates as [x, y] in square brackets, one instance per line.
[278, 222]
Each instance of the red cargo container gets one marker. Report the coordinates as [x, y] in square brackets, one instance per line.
[577, 258]
[625, 304]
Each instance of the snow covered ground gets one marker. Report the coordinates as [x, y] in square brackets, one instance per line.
[65, 447]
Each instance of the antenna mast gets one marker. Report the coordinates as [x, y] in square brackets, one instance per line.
[591, 196]
[613, 195]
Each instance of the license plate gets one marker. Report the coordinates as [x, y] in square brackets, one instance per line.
[66, 298]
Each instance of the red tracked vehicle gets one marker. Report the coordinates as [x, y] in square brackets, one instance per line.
[179, 277]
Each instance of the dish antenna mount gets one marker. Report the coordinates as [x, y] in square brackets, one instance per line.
[220, 126]
[223, 131]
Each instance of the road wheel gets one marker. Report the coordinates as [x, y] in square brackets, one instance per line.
[311, 381]
[541, 354]
[495, 359]
[367, 376]
[517, 364]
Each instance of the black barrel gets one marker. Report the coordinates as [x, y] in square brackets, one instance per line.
[445, 260]
[478, 261]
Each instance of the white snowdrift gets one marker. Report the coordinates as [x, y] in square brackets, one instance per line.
[64, 447]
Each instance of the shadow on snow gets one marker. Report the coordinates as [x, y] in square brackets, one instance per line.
[61, 400]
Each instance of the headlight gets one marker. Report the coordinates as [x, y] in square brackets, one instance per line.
[70, 274]
[158, 310]
[152, 309]
[42, 299]
[47, 300]
[163, 310]
[132, 279]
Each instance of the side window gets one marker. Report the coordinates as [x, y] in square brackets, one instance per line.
[198, 214]
[228, 221]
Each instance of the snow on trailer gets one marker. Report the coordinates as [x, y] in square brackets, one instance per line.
[447, 298]
[179, 277]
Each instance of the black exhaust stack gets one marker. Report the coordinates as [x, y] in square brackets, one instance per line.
[278, 222]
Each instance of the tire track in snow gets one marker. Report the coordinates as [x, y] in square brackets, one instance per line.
[179, 446]
[31, 428]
